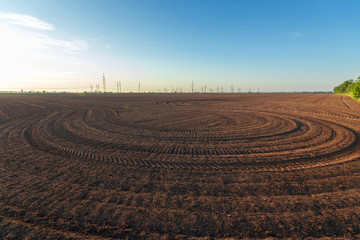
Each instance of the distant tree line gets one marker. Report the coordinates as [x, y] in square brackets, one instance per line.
[350, 87]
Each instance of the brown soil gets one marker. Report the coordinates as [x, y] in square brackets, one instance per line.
[179, 166]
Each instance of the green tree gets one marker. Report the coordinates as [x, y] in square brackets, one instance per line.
[345, 87]
[355, 87]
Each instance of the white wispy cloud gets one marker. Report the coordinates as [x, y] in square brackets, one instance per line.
[293, 34]
[35, 54]
[39, 33]
[45, 41]
[26, 20]
[30, 47]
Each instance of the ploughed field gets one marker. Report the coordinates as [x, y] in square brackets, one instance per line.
[179, 166]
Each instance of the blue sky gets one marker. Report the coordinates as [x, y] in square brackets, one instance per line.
[274, 45]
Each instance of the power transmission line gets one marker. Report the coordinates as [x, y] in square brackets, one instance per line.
[104, 83]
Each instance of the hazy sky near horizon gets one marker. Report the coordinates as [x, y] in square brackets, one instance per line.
[274, 45]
